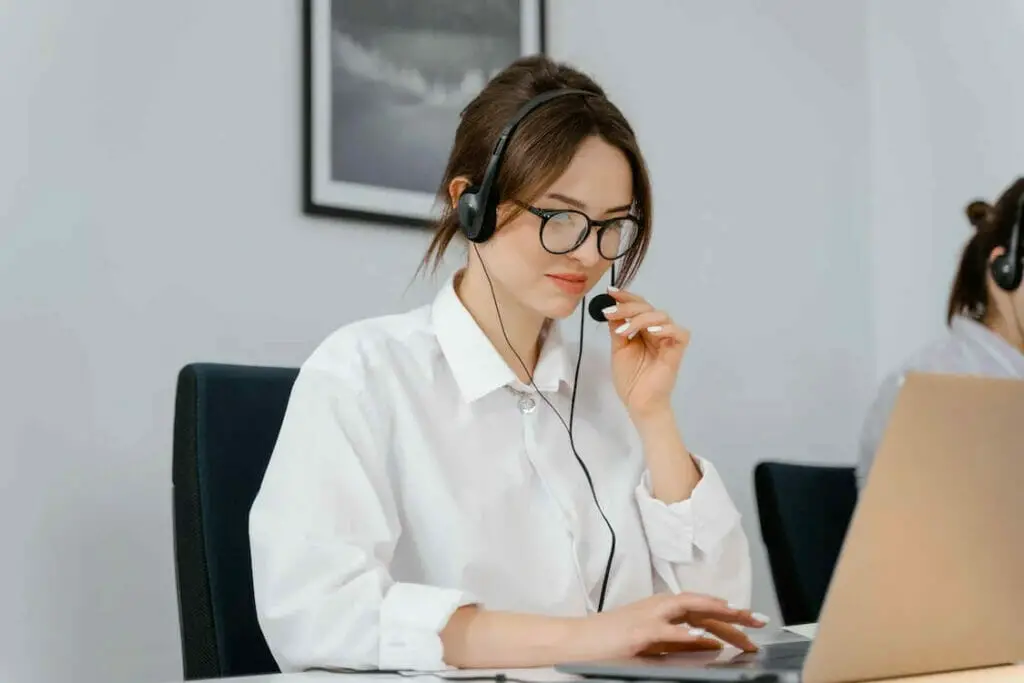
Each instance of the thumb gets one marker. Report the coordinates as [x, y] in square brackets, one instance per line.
[619, 341]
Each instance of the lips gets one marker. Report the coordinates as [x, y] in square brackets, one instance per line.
[570, 283]
[569, 277]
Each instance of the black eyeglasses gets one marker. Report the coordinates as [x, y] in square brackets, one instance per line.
[565, 230]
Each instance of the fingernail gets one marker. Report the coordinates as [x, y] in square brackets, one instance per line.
[622, 328]
[760, 617]
[735, 606]
[609, 310]
[612, 288]
[632, 334]
[654, 329]
[698, 632]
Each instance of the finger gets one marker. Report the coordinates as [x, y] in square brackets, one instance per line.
[685, 638]
[626, 310]
[731, 616]
[641, 322]
[729, 634]
[618, 340]
[622, 296]
[690, 607]
[668, 331]
[655, 326]
[678, 606]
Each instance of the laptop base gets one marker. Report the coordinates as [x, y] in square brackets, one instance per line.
[774, 663]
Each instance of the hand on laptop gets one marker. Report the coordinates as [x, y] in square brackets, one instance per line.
[669, 623]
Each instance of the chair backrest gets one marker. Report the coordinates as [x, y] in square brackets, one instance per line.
[226, 422]
[804, 512]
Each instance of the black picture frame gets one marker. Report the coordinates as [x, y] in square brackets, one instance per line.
[400, 124]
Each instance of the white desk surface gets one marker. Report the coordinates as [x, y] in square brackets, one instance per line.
[1002, 674]
[538, 675]
[1005, 674]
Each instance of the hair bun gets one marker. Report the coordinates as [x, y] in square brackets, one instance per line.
[979, 213]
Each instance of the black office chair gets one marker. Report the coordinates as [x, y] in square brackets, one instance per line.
[804, 512]
[226, 421]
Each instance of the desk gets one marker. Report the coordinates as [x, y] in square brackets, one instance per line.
[538, 675]
[1001, 674]
[1005, 674]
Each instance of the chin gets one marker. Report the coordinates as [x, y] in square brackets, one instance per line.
[559, 309]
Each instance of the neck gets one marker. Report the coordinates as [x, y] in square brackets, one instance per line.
[522, 327]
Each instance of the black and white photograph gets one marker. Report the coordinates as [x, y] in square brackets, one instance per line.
[385, 83]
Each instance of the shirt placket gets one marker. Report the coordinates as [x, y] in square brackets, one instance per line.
[529, 406]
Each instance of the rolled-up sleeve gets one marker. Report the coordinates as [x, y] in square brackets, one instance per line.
[323, 529]
[698, 544]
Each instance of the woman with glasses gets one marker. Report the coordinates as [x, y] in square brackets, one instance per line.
[454, 486]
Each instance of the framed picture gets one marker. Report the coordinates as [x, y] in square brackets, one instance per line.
[384, 83]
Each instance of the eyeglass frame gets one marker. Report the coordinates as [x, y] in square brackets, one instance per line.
[547, 214]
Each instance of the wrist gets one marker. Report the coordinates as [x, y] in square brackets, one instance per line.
[575, 636]
[673, 470]
[584, 639]
[654, 422]
[477, 638]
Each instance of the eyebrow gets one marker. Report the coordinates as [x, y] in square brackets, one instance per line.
[577, 204]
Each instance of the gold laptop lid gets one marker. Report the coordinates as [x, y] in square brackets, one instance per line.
[931, 576]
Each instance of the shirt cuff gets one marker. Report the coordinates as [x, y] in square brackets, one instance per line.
[699, 523]
[412, 617]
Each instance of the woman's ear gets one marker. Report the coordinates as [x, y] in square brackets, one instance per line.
[456, 187]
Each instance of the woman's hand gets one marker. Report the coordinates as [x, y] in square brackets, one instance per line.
[475, 638]
[666, 623]
[647, 350]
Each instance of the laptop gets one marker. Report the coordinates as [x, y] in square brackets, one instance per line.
[931, 574]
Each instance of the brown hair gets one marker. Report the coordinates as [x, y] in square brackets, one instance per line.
[992, 228]
[541, 148]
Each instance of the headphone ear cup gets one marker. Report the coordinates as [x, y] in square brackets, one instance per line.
[475, 219]
[468, 209]
[1005, 274]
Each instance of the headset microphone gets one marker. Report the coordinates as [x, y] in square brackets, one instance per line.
[601, 302]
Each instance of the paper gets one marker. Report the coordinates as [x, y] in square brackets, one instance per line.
[537, 675]
[806, 630]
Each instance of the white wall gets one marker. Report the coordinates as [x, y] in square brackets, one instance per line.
[149, 217]
[149, 188]
[945, 127]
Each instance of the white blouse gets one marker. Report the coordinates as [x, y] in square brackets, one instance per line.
[408, 480]
[970, 348]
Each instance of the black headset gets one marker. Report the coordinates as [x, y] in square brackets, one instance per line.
[478, 205]
[1007, 268]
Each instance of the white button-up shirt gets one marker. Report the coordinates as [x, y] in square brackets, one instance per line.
[970, 348]
[408, 480]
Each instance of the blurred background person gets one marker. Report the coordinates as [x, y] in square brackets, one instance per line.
[984, 314]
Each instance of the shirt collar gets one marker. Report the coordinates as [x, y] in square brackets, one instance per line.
[997, 347]
[477, 366]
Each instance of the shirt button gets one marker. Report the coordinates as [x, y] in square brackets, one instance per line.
[527, 404]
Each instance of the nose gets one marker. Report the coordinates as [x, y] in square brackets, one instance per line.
[588, 253]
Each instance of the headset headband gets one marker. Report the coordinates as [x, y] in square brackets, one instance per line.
[481, 201]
